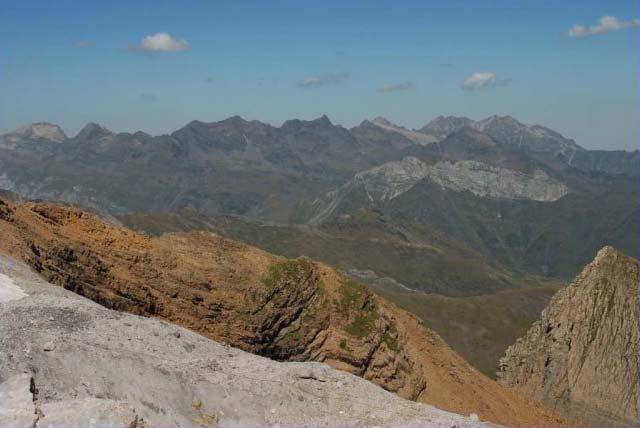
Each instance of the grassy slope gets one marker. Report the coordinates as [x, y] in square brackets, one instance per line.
[480, 328]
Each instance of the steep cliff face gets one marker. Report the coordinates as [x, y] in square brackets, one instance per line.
[295, 310]
[582, 355]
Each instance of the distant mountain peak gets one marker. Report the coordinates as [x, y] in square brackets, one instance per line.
[414, 136]
[38, 131]
[91, 131]
[444, 125]
[236, 120]
[322, 121]
[383, 121]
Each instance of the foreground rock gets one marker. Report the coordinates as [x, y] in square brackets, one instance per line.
[293, 310]
[582, 356]
[109, 369]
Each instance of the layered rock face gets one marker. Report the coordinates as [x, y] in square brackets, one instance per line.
[66, 361]
[295, 310]
[392, 179]
[582, 356]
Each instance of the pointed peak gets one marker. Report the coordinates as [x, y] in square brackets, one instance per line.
[236, 120]
[323, 120]
[92, 130]
[503, 120]
[382, 121]
[606, 252]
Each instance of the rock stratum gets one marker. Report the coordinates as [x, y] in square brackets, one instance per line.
[582, 355]
[293, 310]
[392, 179]
[66, 361]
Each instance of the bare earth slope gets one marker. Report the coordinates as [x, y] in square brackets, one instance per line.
[295, 310]
[67, 361]
[582, 355]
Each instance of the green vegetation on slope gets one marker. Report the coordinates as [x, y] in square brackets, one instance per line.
[480, 328]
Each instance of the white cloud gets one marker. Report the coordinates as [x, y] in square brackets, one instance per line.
[161, 42]
[483, 79]
[396, 87]
[605, 25]
[321, 80]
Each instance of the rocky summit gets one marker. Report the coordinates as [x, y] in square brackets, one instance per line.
[582, 355]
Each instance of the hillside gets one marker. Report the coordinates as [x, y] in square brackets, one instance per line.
[296, 310]
[71, 363]
[503, 306]
[582, 355]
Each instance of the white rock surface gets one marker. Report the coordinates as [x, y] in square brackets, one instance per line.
[415, 136]
[392, 179]
[9, 290]
[35, 131]
[109, 369]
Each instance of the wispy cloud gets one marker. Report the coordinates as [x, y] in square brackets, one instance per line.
[161, 42]
[483, 79]
[83, 44]
[317, 81]
[606, 24]
[396, 87]
[150, 98]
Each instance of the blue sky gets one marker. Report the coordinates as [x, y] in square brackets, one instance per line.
[71, 62]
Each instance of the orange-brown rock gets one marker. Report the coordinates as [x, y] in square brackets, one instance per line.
[285, 309]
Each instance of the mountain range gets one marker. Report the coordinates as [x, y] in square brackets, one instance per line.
[460, 208]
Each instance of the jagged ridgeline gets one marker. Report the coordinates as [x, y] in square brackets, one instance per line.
[476, 196]
[293, 310]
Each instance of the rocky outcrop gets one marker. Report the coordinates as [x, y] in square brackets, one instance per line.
[582, 356]
[414, 136]
[40, 131]
[295, 310]
[66, 361]
[392, 179]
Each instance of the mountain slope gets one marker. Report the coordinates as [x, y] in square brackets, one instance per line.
[582, 355]
[286, 309]
[71, 363]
